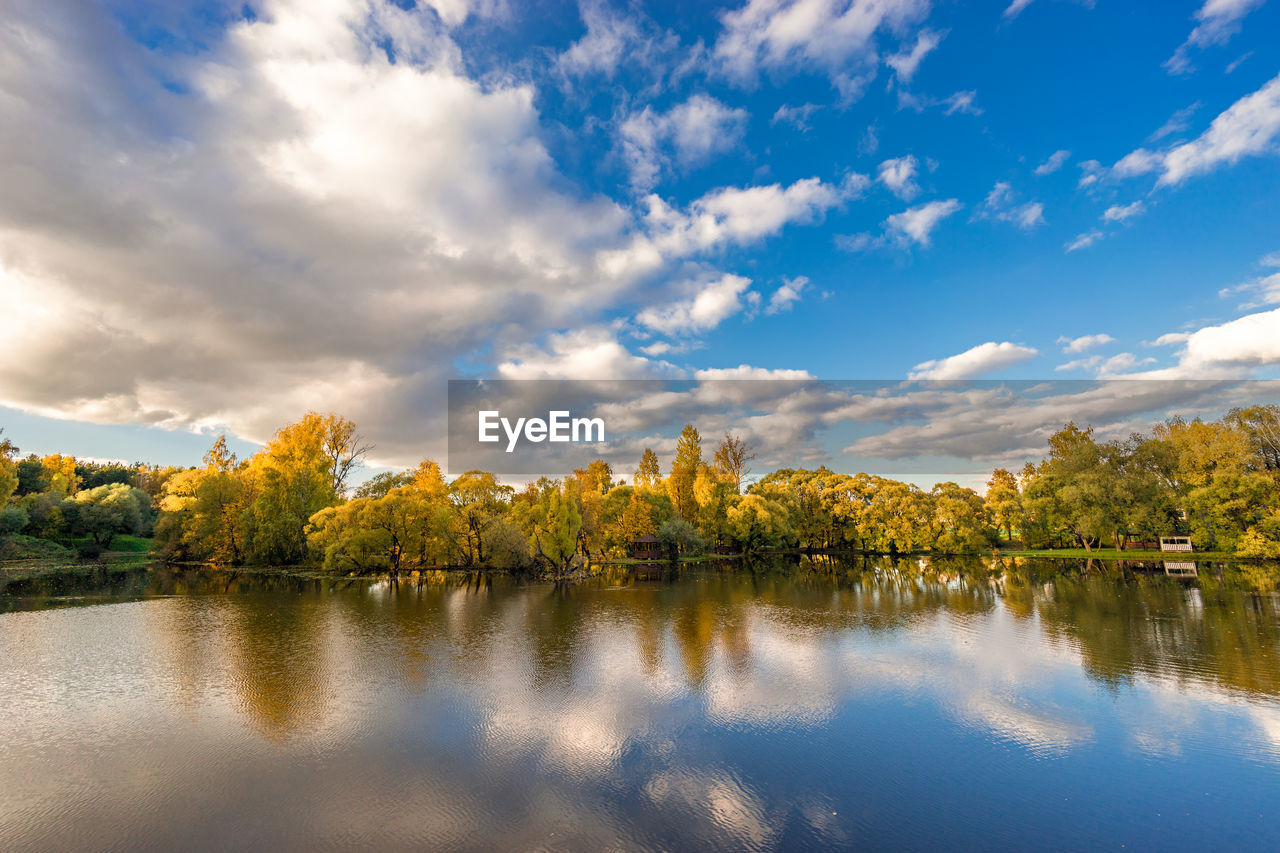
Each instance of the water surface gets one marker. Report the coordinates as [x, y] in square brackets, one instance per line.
[971, 704]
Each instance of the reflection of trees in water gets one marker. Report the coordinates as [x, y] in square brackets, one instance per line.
[278, 666]
[277, 643]
[1156, 626]
[555, 624]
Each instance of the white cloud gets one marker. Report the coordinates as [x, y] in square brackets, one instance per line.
[689, 133]
[1085, 240]
[797, 116]
[1121, 212]
[629, 40]
[591, 353]
[856, 242]
[1091, 172]
[962, 102]
[917, 223]
[1227, 349]
[978, 361]
[608, 39]
[1055, 162]
[326, 245]
[1139, 162]
[1084, 343]
[957, 102]
[834, 36]
[786, 295]
[999, 205]
[899, 176]
[1114, 366]
[1029, 215]
[1177, 123]
[1266, 289]
[1218, 21]
[1013, 9]
[740, 216]
[1270, 260]
[746, 371]
[714, 302]
[906, 62]
[1248, 127]
[1237, 62]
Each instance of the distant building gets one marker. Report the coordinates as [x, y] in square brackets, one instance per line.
[647, 547]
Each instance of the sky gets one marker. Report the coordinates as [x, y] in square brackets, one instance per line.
[218, 215]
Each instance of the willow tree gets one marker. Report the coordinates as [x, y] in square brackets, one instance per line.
[301, 471]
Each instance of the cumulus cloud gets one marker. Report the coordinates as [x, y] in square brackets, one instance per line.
[916, 224]
[1217, 22]
[689, 134]
[978, 361]
[1055, 162]
[592, 353]
[739, 216]
[1229, 349]
[325, 246]
[711, 304]
[1084, 343]
[837, 37]
[899, 176]
[787, 295]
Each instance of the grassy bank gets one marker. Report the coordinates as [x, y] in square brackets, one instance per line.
[1113, 554]
[27, 557]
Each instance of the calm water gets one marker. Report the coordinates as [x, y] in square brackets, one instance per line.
[968, 705]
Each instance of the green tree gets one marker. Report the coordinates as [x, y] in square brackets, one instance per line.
[684, 473]
[106, 511]
[1004, 502]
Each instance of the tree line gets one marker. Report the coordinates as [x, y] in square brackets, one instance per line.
[293, 502]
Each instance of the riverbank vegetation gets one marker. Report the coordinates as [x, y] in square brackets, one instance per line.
[294, 502]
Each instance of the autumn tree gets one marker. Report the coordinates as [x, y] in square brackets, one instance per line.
[293, 477]
[648, 475]
[732, 458]
[684, 473]
[8, 470]
[478, 498]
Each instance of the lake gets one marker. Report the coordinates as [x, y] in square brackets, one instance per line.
[793, 704]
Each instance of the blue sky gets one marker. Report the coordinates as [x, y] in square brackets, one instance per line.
[219, 216]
